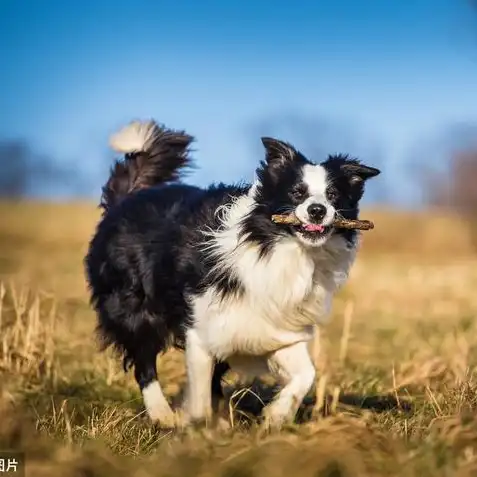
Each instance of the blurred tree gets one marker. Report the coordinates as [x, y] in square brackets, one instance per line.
[456, 189]
[24, 171]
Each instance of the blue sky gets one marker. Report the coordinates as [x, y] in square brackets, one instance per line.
[393, 72]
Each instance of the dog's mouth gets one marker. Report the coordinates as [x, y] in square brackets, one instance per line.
[317, 228]
[313, 231]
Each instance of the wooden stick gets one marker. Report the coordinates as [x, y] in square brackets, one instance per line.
[353, 224]
[291, 219]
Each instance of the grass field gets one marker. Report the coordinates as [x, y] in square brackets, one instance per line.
[395, 395]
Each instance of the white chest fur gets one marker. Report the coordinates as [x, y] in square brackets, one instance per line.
[286, 294]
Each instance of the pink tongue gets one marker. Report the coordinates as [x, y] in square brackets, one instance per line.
[314, 228]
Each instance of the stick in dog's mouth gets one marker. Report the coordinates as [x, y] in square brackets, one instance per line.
[291, 219]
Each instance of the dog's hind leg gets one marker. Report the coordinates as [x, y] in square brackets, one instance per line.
[219, 404]
[157, 406]
[220, 369]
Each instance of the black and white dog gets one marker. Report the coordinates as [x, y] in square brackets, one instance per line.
[206, 270]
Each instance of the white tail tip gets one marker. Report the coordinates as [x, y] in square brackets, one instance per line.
[137, 136]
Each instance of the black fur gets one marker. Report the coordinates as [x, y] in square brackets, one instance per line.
[137, 260]
[281, 189]
[142, 258]
[145, 254]
[347, 177]
[168, 156]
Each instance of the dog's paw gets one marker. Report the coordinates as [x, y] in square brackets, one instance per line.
[157, 407]
[169, 420]
[274, 417]
[222, 424]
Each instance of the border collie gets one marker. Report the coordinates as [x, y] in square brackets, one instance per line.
[207, 271]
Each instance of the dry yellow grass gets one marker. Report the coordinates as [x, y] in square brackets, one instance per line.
[395, 393]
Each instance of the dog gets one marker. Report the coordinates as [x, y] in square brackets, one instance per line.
[207, 271]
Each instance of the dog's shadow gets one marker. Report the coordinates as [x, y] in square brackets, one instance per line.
[250, 401]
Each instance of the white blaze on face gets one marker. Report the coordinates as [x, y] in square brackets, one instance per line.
[316, 179]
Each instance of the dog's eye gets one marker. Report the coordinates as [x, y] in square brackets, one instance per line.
[331, 195]
[298, 193]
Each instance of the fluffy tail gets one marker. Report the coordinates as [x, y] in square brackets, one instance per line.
[153, 155]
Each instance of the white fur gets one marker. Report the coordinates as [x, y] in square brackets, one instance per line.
[157, 407]
[315, 177]
[199, 363]
[286, 294]
[294, 367]
[137, 136]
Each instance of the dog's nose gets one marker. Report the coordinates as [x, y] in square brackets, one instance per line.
[316, 211]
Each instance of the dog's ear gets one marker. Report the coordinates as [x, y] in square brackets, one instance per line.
[358, 173]
[278, 152]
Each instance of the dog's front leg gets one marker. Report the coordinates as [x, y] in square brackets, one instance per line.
[199, 363]
[294, 367]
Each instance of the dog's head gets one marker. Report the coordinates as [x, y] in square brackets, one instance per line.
[315, 193]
